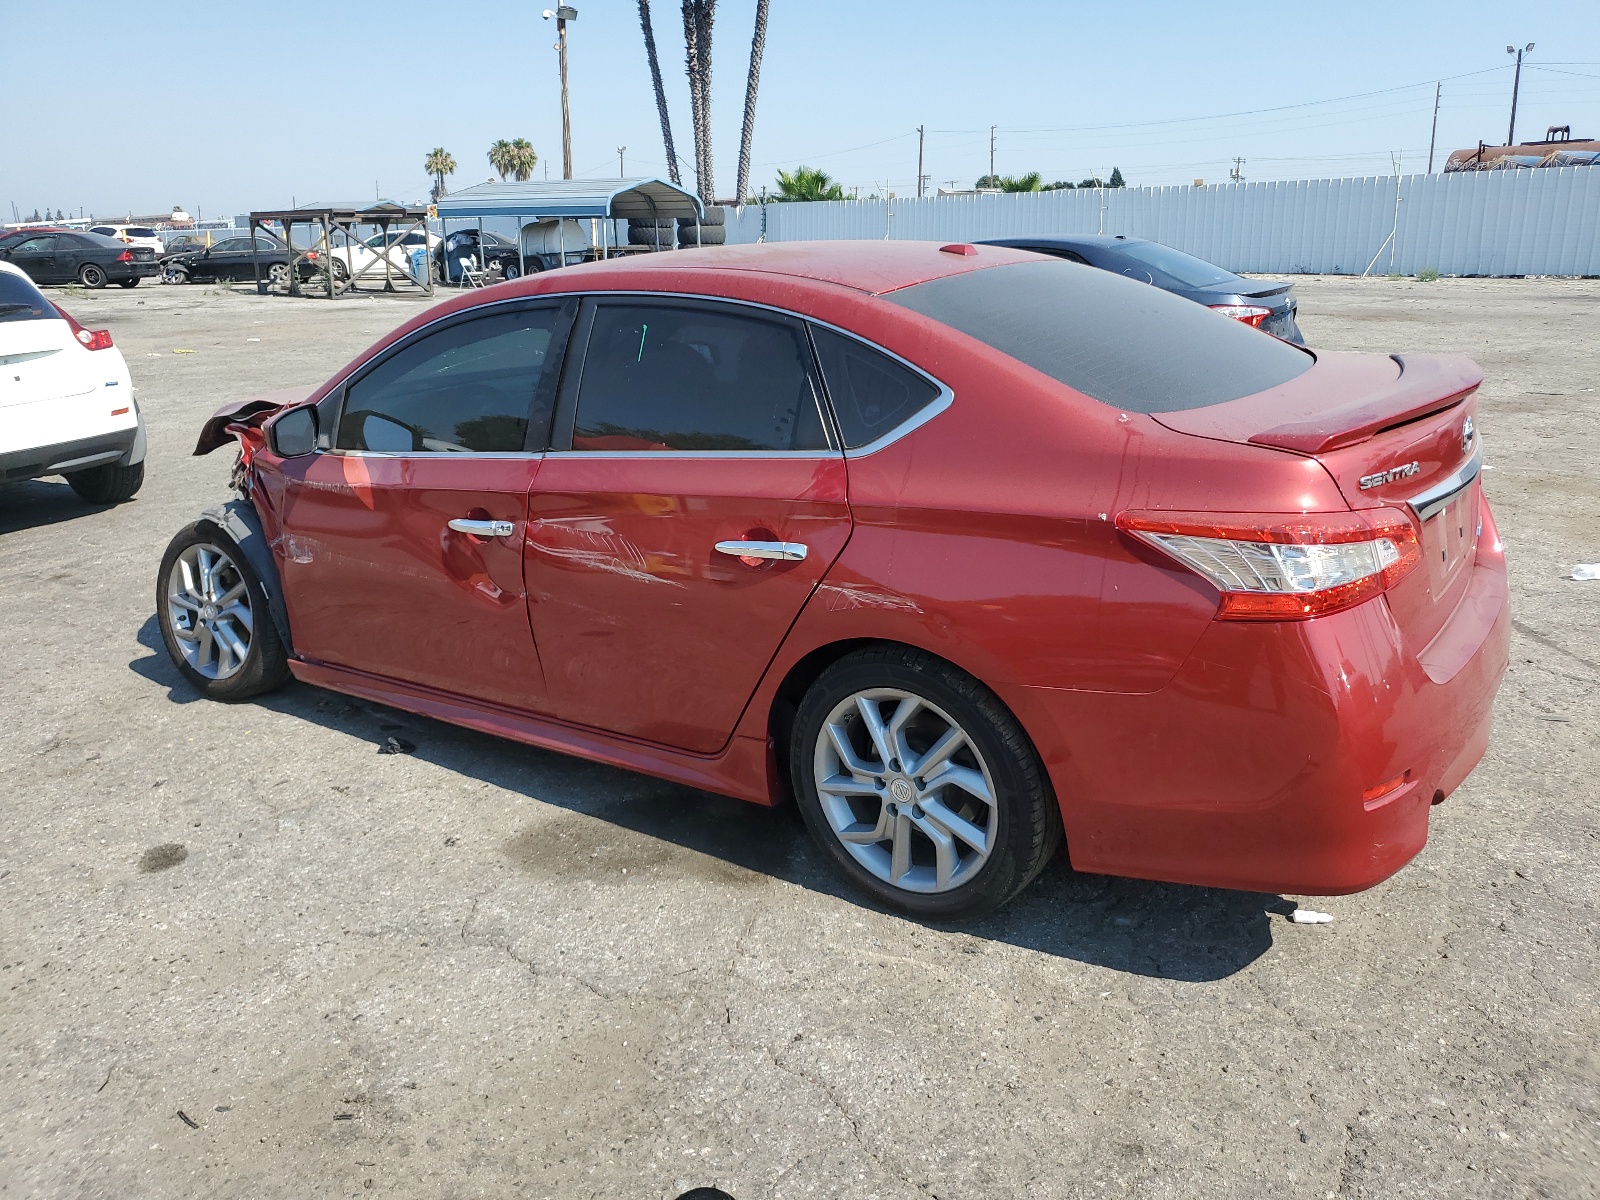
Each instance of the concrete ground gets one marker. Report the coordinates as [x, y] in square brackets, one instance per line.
[246, 955]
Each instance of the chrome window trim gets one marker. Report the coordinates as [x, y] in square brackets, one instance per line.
[922, 416]
[464, 455]
[1438, 497]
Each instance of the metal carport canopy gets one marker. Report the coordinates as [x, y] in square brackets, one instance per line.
[620, 199]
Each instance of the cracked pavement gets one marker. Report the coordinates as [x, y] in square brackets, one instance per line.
[482, 970]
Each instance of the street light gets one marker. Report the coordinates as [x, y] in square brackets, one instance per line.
[563, 14]
[1516, 82]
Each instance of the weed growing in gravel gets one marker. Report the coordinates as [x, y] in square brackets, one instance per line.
[1427, 274]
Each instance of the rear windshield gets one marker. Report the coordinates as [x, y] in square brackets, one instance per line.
[1171, 267]
[21, 301]
[1126, 344]
[140, 231]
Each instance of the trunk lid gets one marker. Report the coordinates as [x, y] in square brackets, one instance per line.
[1396, 432]
[40, 360]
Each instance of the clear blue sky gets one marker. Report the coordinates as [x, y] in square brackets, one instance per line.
[203, 108]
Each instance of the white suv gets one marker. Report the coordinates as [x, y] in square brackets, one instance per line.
[66, 399]
[133, 235]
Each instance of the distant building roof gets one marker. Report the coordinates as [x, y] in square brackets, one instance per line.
[620, 198]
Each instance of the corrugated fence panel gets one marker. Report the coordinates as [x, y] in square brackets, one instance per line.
[1538, 222]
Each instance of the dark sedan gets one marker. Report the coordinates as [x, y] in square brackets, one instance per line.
[235, 258]
[1262, 305]
[66, 256]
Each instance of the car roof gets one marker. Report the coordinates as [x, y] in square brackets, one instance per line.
[874, 266]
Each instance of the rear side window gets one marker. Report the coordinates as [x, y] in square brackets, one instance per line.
[21, 301]
[469, 387]
[871, 392]
[1125, 344]
[659, 377]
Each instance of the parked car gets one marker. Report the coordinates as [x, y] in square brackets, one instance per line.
[187, 243]
[86, 258]
[403, 244]
[67, 403]
[1256, 302]
[463, 243]
[964, 547]
[132, 235]
[234, 258]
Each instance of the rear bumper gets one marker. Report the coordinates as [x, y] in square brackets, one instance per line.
[1248, 770]
[119, 446]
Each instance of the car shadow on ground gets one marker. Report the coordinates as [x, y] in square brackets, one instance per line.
[1168, 931]
[35, 503]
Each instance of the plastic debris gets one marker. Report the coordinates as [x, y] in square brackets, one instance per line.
[396, 745]
[1310, 916]
[1586, 571]
[183, 351]
[187, 1119]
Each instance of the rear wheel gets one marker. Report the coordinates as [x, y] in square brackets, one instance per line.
[129, 283]
[108, 484]
[278, 275]
[510, 269]
[92, 276]
[919, 785]
[214, 617]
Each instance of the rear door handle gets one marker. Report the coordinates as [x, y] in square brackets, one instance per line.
[483, 528]
[782, 551]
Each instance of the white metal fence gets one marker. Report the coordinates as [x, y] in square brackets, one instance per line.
[1544, 222]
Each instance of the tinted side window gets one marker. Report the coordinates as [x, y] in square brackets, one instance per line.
[37, 245]
[1124, 343]
[231, 246]
[470, 386]
[691, 378]
[871, 393]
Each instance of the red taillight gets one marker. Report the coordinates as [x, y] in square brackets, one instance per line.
[91, 339]
[310, 255]
[1272, 567]
[125, 256]
[1251, 314]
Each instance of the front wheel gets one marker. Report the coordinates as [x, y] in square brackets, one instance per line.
[919, 785]
[174, 275]
[214, 617]
[92, 276]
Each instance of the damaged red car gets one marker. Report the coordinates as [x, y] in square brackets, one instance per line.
[966, 550]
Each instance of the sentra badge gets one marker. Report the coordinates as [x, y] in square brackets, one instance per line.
[1389, 476]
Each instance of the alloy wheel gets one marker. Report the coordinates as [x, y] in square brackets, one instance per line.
[208, 609]
[905, 790]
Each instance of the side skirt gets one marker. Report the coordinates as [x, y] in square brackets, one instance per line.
[741, 770]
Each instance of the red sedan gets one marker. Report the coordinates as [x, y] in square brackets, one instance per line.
[966, 549]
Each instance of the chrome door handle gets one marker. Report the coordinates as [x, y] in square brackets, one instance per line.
[483, 528]
[783, 551]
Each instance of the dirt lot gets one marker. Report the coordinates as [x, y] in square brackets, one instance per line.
[482, 970]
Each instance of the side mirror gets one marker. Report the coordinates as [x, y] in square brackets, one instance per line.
[295, 433]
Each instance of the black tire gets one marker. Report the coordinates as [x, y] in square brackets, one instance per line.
[92, 276]
[659, 237]
[340, 271]
[1028, 823]
[108, 484]
[265, 665]
[715, 217]
[510, 270]
[706, 235]
[129, 283]
[175, 275]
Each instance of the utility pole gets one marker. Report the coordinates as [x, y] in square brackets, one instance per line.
[1237, 174]
[920, 132]
[1516, 82]
[562, 15]
[992, 128]
[1434, 136]
[621, 174]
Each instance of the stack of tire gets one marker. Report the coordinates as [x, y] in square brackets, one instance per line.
[708, 232]
[658, 234]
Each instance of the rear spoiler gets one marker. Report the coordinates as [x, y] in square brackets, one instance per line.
[1427, 383]
[215, 433]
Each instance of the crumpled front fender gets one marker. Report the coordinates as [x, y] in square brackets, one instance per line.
[240, 521]
[253, 410]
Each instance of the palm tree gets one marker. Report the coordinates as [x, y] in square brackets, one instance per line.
[502, 157]
[807, 183]
[1031, 182]
[439, 164]
[758, 43]
[661, 92]
[697, 18]
[523, 160]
